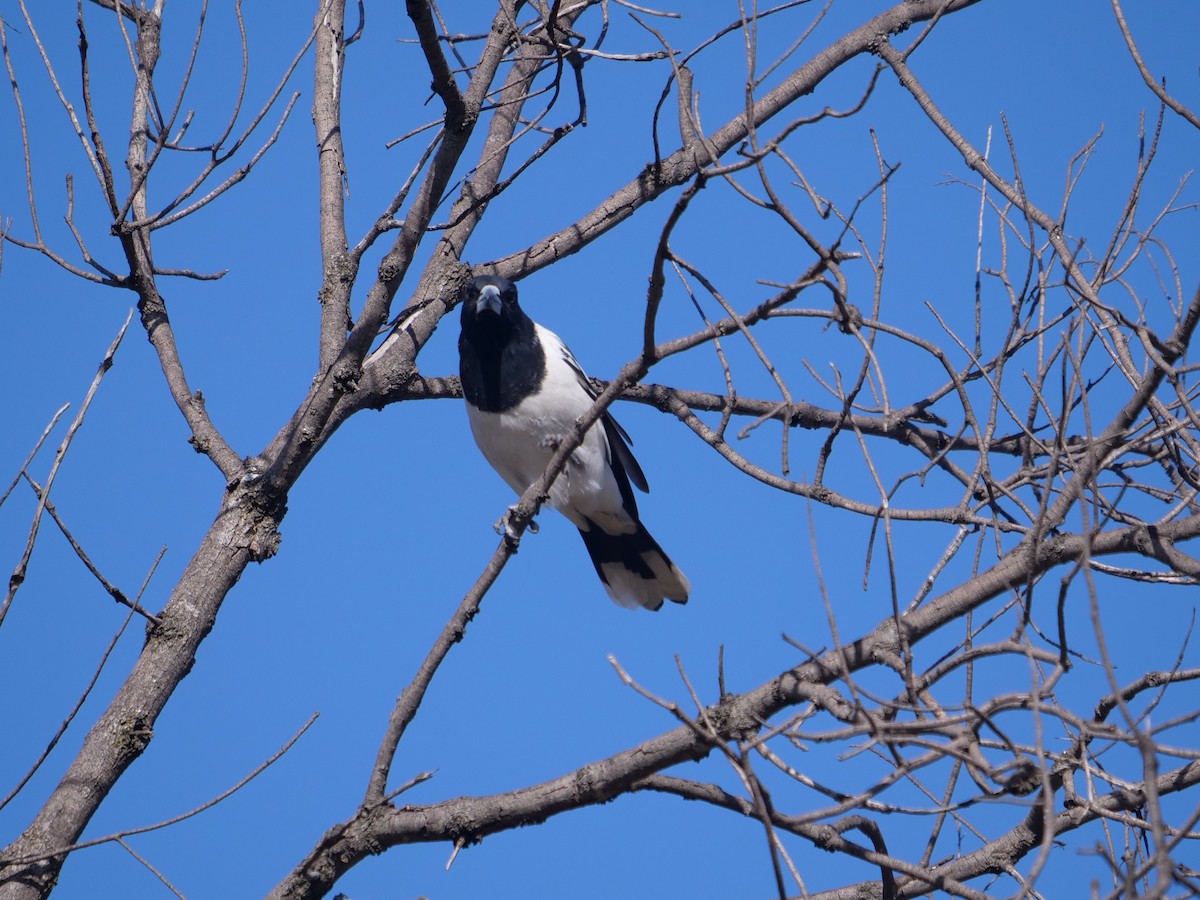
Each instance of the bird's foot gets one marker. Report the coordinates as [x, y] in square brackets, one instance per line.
[504, 526]
[552, 442]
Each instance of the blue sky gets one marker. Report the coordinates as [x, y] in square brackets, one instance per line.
[392, 523]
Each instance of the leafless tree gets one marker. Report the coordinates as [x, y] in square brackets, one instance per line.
[1043, 443]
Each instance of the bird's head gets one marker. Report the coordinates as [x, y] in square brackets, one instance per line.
[500, 358]
[490, 301]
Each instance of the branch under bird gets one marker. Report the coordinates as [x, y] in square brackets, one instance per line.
[524, 393]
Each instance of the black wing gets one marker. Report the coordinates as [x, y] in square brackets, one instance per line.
[618, 441]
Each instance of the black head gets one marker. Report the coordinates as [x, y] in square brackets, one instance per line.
[500, 358]
[489, 304]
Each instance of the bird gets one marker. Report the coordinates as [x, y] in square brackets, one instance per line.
[524, 392]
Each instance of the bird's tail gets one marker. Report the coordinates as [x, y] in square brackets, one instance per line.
[634, 569]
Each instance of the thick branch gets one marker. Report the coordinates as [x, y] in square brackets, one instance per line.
[294, 446]
[468, 819]
[244, 531]
[337, 271]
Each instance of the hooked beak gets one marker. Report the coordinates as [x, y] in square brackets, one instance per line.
[489, 300]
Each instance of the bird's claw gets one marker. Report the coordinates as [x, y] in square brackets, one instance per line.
[504, 528]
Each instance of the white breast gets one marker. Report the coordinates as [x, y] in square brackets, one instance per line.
[520, 442]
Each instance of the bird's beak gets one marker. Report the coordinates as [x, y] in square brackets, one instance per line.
[489, 300]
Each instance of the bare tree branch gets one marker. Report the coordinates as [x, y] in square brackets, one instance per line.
[17, 578]
[1038, 418]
